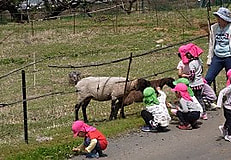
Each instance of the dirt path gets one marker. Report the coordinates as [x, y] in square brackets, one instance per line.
[204, 143]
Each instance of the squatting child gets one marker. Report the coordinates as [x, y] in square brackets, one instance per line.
[94, 141]
[188, 110]
[155, 114]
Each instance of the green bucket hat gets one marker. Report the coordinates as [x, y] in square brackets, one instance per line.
[150, 96]
[185, 81]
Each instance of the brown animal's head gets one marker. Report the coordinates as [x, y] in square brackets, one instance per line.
[74, 77]
[167, 81]
[142, 84]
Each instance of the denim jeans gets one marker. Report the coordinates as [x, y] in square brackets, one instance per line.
[97, 148]
[216, 66]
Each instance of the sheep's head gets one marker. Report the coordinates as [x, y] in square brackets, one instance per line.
[74, 77]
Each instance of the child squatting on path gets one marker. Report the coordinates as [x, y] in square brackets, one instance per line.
[224, 99]
[94, 140]
[186, 82]
[155, 114]
[188, 111]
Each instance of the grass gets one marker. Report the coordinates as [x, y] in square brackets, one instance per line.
[94, 41]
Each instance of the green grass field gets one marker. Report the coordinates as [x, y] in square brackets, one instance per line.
[93, 42]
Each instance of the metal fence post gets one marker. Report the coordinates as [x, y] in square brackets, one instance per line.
[24, 106]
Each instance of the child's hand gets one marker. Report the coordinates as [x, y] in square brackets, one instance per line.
[76, 149]
[158, 88]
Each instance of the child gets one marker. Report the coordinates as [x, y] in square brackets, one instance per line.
[190, 55]
[156, 114]
[190, 91]
[226, 93]
[188, 111]
[94, 141]
[209, 96]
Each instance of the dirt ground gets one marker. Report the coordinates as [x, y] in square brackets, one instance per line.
[204, 143]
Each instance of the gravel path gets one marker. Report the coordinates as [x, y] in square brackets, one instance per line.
[204, 143]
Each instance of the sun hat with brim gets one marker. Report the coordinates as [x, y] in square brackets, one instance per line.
[223, 13]
[183, 89]
[80, 126]
[150, 96]
[185, 81]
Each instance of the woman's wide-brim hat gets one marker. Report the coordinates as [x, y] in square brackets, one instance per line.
[223, 13]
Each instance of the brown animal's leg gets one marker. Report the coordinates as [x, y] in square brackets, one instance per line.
[121, 107]
[84, 108]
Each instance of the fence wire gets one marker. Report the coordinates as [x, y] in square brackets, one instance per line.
[51, 99]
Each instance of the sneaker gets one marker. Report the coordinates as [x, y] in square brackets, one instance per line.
[223, 131]
[92, 155]
[145, 129]
[185, 127]
[204, 116]
[214, 106]
[101, 154]
[228, 138]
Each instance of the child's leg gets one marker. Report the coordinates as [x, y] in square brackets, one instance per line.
[227, 115]
[147, 116]
[182, 117]
[193, 117]
[198, 95]
[87, 141]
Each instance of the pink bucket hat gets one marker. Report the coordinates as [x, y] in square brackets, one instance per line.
[191, 48]
[228, 76]
[78, 126]
[183, 89]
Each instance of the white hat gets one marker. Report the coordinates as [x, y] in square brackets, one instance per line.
[223, 13]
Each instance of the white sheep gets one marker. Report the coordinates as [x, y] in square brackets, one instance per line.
[103, 89]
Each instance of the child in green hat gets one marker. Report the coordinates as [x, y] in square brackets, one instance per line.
[155, 114]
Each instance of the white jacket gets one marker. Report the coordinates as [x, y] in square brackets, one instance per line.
[160, 111]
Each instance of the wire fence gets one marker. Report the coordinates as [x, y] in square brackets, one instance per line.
[50, 97]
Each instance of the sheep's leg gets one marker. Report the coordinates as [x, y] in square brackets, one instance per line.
[77, 106]
[113, 106]
[84, 109]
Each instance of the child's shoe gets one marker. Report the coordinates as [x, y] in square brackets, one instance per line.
[228, 138]
[145, 129]
[185, 127]
[204, 116]
[101, 154]
[92, 155]
[223, 131]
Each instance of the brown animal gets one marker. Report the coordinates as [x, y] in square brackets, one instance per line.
[137, 96]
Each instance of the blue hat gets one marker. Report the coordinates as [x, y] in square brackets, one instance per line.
[223, 13]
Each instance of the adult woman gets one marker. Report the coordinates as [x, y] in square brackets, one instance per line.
[219, 55]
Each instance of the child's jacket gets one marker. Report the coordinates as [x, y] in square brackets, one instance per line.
[160, 111]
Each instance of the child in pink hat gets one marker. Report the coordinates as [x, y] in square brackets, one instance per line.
[94, 140]
[188, 110]
[226, 92]
[189, 54]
